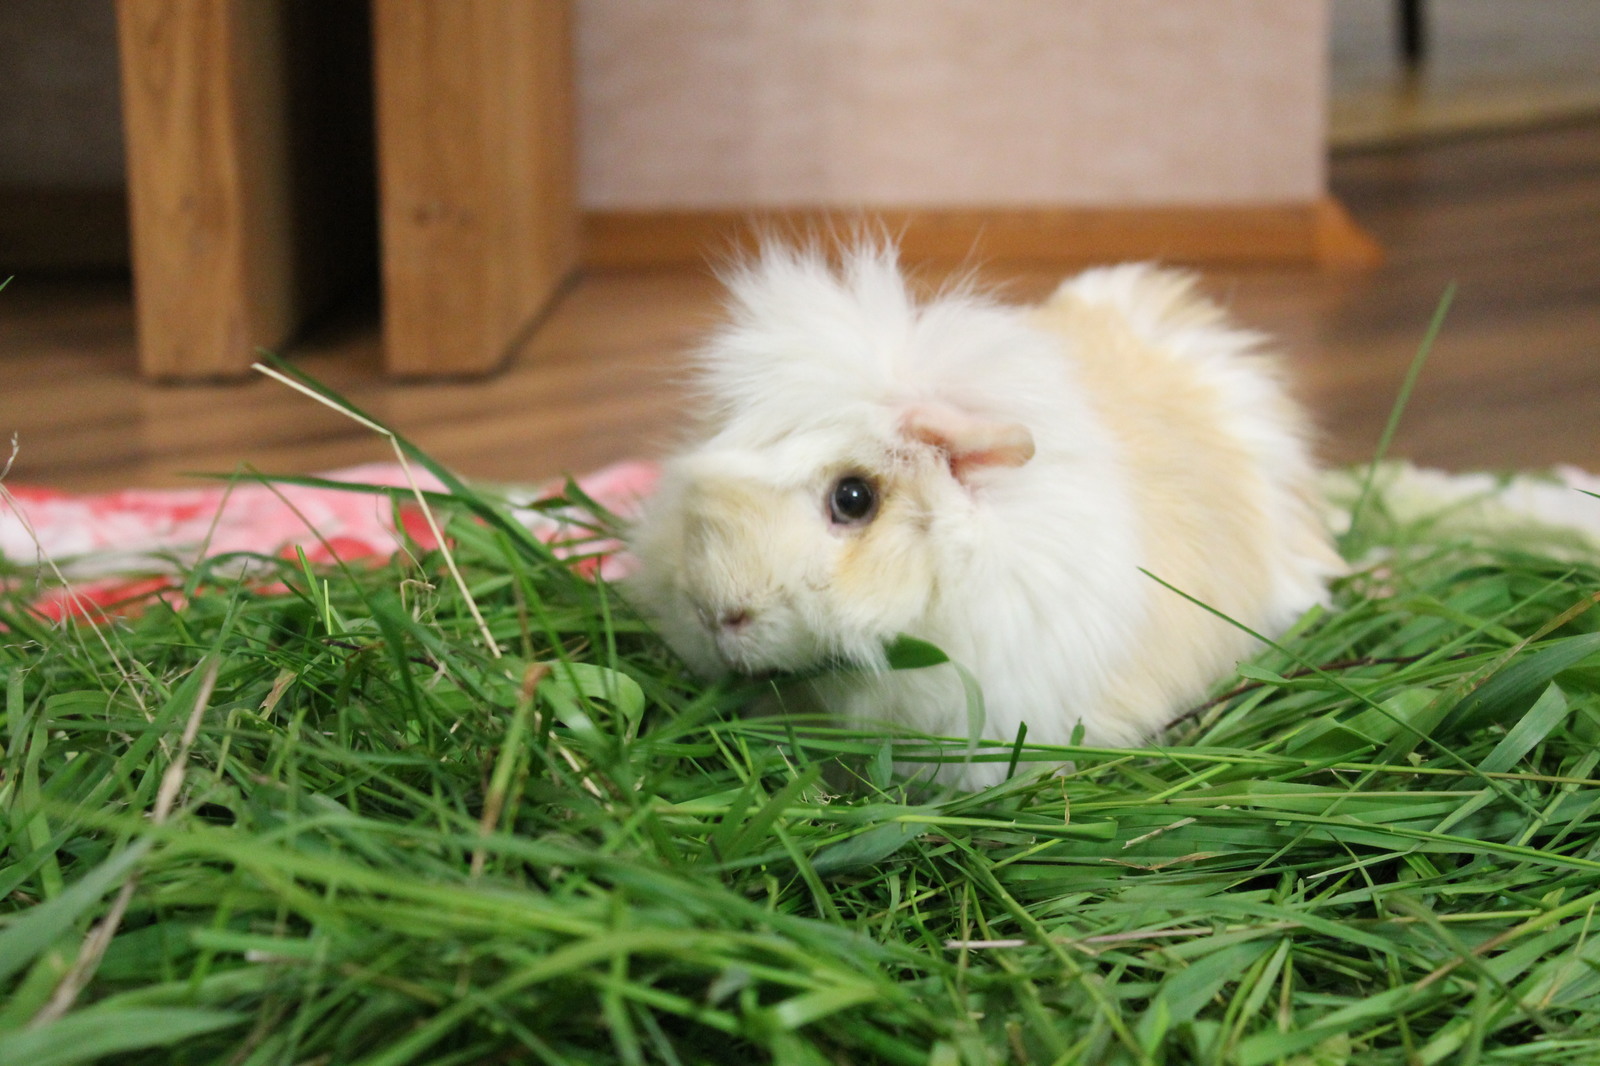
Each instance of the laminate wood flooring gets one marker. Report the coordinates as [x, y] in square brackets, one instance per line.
[1512, 220]
[1489, 64]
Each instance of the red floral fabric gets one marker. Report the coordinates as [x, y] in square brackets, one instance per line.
[119, 548]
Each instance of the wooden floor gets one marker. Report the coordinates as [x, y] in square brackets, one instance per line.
[1513, 220]
[1490, 63]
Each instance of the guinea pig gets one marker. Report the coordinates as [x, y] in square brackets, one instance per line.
[998, 481]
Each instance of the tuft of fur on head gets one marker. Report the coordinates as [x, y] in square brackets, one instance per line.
[811, 339]
[801, 336]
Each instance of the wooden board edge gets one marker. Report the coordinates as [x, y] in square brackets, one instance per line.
[1320, 233]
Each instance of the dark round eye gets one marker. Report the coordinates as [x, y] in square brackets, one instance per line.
[852, 501]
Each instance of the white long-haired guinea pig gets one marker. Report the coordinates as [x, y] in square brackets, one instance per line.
[990, 479]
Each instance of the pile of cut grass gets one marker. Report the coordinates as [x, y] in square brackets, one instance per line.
[308, 817]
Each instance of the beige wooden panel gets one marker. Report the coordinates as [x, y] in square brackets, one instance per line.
[706, 105]
[479, 228]
[204, 110]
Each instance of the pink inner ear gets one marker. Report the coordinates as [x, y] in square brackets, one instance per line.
[972, 443]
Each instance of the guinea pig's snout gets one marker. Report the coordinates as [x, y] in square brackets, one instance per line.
[731, 619]
[733, 628]
[734, 619]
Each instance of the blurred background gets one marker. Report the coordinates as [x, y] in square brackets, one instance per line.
[488, 222]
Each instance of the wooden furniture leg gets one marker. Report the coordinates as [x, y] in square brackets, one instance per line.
[477, 207]
[209, 199]
[1413, 26]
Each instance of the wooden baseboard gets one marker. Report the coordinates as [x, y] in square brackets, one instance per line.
[1321, 233]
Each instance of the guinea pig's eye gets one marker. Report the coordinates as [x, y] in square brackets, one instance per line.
[852, 501]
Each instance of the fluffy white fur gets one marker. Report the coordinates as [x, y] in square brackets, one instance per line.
[1160, 440]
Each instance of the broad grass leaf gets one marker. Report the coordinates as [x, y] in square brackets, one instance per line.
[910, 653]
[732, 822]
[38, 928]
[1182, 995]
[93, 1035]
[1331, 737]
[754, 831]
[1547, 712]
[1569, 978]
[880, 768]
[86, 702]
[566, 688]
[276, 947]
[595, 682]
[810, 1007]
[1510, 691]
[1262, 1048]
[156, 947]
[864, 849]
[1261, 673]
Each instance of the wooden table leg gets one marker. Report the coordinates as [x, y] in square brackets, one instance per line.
[477, 208]
[1413, 23]
[209, 198]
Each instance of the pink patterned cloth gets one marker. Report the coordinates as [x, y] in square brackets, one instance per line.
[117, 548]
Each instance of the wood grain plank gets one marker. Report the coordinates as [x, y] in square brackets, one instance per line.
[204, 104]
[475, 176]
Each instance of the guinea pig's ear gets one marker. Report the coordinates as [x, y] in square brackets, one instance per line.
[972, 443]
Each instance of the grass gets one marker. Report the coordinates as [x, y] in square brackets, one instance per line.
[308, 816]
